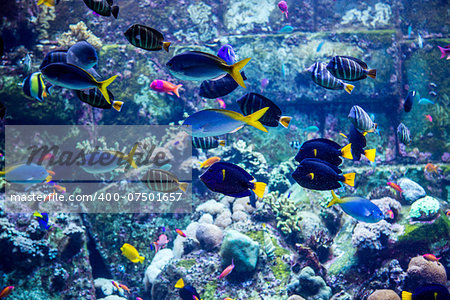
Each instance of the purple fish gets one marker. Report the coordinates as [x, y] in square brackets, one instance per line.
[445, 51]
[226, 53]
[282, 5]
[264, 83]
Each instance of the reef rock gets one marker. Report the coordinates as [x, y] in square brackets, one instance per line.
[295, 297]
[424, 209]
[210, 236]
[411, 190]
[242, 249]
[421, 271]
[104, 287]
[161, 259]
[384, 295]
[184, 245]
[308, 285]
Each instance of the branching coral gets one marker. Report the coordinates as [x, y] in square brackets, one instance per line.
[285, 212]
[77, 33]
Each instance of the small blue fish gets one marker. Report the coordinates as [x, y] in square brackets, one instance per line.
[425, 101]
[420, 40]
[320, 46]
[311, 129]
[226, 53]
[358, 208]
[26, 174]
[409, 31]
[283, 71]
[286, 29]
[42, 220]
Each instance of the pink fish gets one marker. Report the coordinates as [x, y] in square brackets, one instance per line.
[390, 214]
[221, 103]
[227, 270]
[429, 118]
[282, 5]
[161, 242]
[445, 51]
[165, 87]
[430, 257]
[264, 83]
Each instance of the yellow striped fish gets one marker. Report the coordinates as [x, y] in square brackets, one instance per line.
[269, 248]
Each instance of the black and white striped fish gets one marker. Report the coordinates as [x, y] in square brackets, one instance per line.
[55, 56]
[163, 181]
[103, 7]
[350, 68]
[95, 98]
[268, 245]
[146, 38]
[212, 89]
[321, 76]
[403, 134]
[295, 145]
[209, 142]
[33, 86]
[361, 120]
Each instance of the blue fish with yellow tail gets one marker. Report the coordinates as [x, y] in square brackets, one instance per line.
[359, 208]
[324, 149]
[358, 142]
[186, 292]
[215, 122]
[42, 220]
[231, 180]
[26, 174]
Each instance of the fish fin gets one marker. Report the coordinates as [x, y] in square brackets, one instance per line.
[166, 46]
[115, 11]
[176, 90]
[37, 215]
[102, 85]
[284, 121]
[406, 295]
[370, 154]
[40, 2]
[334, 200]
[349, 179]
[343, 135]
[223, 175]
[141, 259]
[259, 188]
[117, 105]
[179, 284]
[183, 186]
[348, 87]
[252, 119]
[234, 69]
[346, 151]
[372, 73]
[129, 157]
[222, 143]
[46, 3]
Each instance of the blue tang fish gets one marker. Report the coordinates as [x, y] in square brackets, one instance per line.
[42, 220]
[186, 292]
[319, 47]
[424, 101]
[27, 174]
[231, 180]
[106, 161]
[409, 31]
[215, 122]
[226, 53]
[286, 29]
[324, 149]
[359, 208]
[82, 54]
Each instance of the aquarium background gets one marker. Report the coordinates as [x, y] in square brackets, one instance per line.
[319, 252]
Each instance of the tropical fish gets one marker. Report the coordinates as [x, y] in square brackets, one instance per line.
[269, 248]
[6, 291]
[131, 253]
[403, 134]
[264, 83]
[33, 86]
[424, 101]
[286, 29]
[325, 150]
[55, 56]
[215, 122]
[427, 292]
[26, 174]
[95, 98]
[321, 76]
[253, 102]
[361, 120]
[103, 7]
[420, 40]
[212, 89]
[42, 220]
[124, 287]
[359, 208]
[358, 142]
[430, 257]
[209, 142]
[350, 68]
[319, 47]
[390, 214]
[282, 5]
[115, 284]
[231, 180]
[186, 292]
[429, 118]
[161, 243]
[146, 38]
[409, 31]
[75, 78]
[163, 181]
[409, 100]
[207, 163]
[226, 53]
[102, 161]
[429, 167]
[197, 65]
[222, 103]
[227, 270]
[316, 174]
[295, 145]
[395, 187]
[163, 86]
[311, 129]
[445, 51]
[139, 298]
[49, 3]
[50, 196]
[180, 232]
[26, 62]
[283, 70]
[83, 55]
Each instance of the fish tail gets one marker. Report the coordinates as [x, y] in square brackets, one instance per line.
[141, 259]
[102, 85]
[222, 143]
[348, 87]
[334, 200]
[440, 48]
[47, 3]
[372, 73]
[176, 90]
[179, 284]
[252, 119]
[234, 71]
[115, 11]
[166, 46]
[129, 157]
[349, 179]
[406, 295]
[40, 2]
[284, 121]
[2, 173]
[183, 186]
[117, 105]
[370, 154]
[346, 151]
[259, 188]
[37, 215]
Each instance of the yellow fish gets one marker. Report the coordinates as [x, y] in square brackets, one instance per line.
[49, 3]
[131, 253]
[207, 163]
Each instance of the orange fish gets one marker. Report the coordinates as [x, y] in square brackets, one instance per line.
[180, 232]
[430, 257]
[6, 291]
[116, 285]
[49, 196]
[447, 213]
[51, 172]
[123, 286]
[209, 162]
[165, 87]
[221, 103]
[60, 188]
[429, 118]
[429, 167]
[395, 187]
[227, 270]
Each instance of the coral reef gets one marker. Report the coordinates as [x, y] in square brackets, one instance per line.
[77, 33]
[308, 285]
[421, 271]
[411, 190]
[424, 209]
[384, 295]
[285, 212]
[373, 17]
